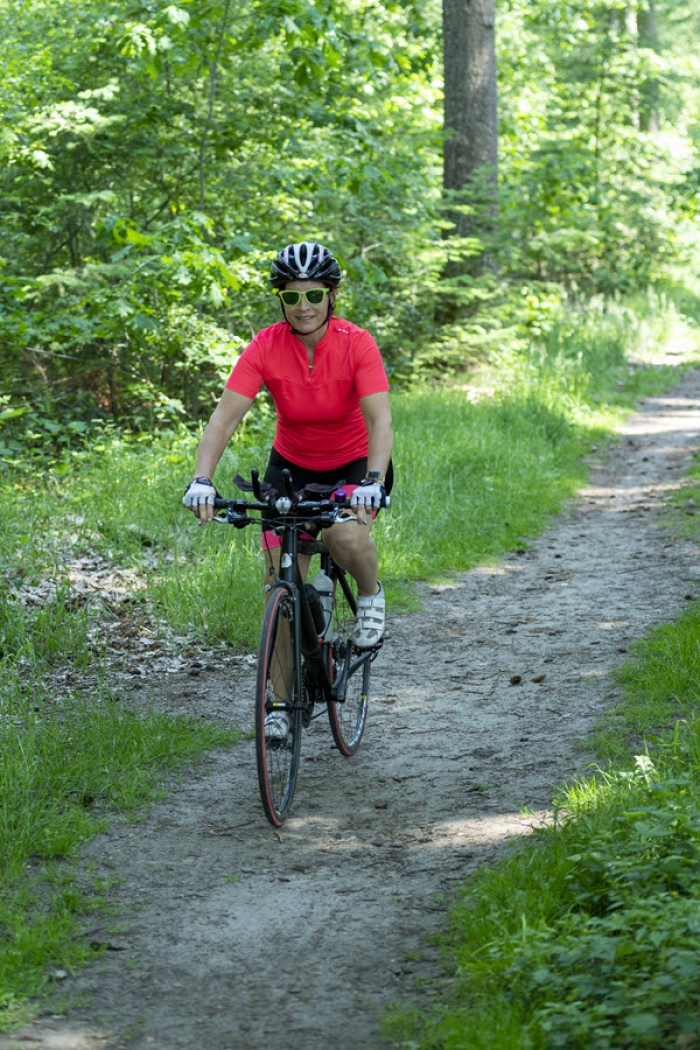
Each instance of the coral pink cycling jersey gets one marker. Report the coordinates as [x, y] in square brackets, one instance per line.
[319, 421]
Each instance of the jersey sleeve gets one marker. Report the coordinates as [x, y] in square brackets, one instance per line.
[370, 377]
[247, 375]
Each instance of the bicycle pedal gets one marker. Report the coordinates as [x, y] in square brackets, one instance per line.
[374, 649]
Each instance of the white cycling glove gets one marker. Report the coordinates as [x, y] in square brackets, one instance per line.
[198, 493]
[369, 494]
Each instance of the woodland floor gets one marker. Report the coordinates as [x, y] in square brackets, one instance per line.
[238, 936]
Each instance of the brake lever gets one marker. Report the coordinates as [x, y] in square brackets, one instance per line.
[233, 517]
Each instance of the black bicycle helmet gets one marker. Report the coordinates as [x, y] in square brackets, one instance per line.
[306, 261]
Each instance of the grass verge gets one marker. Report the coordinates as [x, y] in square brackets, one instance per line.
[587, 936]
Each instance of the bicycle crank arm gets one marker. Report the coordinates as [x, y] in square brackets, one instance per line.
[340, 686]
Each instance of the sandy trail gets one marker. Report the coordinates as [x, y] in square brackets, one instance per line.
[236, 936]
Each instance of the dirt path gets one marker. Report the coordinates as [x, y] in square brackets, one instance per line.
[240, 937]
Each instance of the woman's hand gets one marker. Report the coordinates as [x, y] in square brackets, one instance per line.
[199, 498]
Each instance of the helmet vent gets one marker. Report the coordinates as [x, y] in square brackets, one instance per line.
[305, 261]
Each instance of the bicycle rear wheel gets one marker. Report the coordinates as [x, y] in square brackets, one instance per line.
[347, 719]
[276, 687]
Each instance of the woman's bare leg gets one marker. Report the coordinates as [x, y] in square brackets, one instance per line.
[352, 547]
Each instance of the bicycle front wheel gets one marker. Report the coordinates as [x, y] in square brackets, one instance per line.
[348, 718]
[276, 691]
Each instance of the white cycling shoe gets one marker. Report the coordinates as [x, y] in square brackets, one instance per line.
[277, 725]
[369, 622]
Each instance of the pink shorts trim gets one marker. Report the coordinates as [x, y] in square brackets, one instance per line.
[270, 539]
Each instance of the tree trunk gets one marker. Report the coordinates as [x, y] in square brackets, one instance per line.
[633, 33]
[470, 154]
[649, 38]
[213, 73]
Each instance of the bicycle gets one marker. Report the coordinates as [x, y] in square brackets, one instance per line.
[307, 662]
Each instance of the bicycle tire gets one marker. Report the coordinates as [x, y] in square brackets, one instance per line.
[348, 719]
[277, 760]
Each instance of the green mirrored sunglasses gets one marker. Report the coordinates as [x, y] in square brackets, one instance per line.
[314, 296]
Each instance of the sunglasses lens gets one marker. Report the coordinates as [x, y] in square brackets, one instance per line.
[290, 298]
[313, 296]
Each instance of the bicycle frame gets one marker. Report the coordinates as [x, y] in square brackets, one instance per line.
[315, 652]
[327, 669]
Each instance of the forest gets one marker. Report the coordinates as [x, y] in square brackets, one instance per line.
[154, 156]
[512, 191]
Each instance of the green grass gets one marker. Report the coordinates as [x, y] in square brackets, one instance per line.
[492, 476]
[660, 684]
[478, 478]
[55, 632]
[65, 759]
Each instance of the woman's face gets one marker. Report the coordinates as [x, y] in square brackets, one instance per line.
[306, 317]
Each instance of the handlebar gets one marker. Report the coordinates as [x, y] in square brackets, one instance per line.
[277, 512]
[292, 508]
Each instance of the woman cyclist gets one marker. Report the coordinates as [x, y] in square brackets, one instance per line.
[327, 381]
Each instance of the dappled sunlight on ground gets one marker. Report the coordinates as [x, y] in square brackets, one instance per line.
[489, 831]
[61, 1035]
